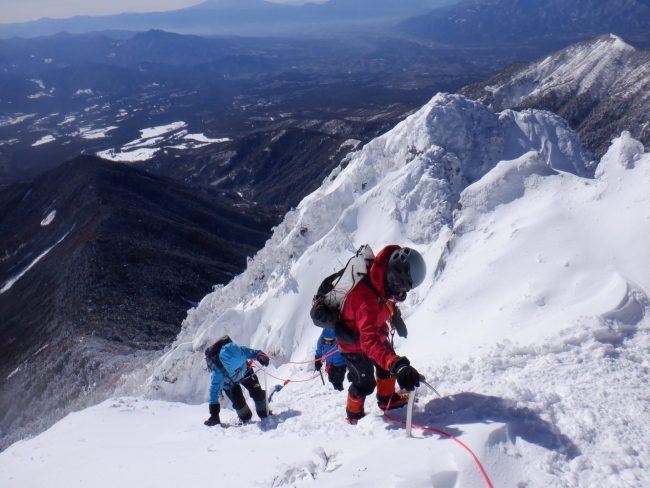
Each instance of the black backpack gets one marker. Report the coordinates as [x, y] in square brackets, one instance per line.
[212, 355]
[328, 301]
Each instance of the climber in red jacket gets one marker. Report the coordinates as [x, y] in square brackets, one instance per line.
[365, 337]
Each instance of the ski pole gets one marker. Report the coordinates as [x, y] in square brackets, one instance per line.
[424, 382]
[409, 413]
[321, 376]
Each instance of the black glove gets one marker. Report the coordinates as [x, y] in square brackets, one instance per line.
[262, 358]
[407, 376]
[318, 364]
[214, 415]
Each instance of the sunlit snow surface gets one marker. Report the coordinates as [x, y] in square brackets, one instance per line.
[532, 322]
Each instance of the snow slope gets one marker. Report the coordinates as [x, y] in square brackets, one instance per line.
[533, 323]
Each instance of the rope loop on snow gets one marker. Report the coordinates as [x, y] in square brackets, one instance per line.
[486, 478]
[285, 381]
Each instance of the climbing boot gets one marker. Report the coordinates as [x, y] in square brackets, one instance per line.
[387, 398]
[214, 415]
[354, 409]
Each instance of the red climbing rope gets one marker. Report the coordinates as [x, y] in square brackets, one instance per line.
[284, 361]
[285, 380]
[455, 439]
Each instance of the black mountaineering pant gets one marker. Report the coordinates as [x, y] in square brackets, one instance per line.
[336, 375]
[361, 374]
[236, 396]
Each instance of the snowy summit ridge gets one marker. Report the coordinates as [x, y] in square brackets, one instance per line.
[401, 187]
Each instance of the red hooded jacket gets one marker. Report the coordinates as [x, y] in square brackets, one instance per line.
[368, 314]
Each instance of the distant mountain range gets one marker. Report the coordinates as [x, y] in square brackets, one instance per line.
[95, 93]
[553, 23]
[599, 86]
[239, 17]
[99, 263]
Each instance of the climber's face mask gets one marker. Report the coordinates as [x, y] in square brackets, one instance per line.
[397, 298]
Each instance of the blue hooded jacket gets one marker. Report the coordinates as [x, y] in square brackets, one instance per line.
[234, 359]
[326, 344]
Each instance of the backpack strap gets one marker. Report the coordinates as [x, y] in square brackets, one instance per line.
[368, 282]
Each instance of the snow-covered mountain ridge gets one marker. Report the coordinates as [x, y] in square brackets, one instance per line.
[601, 86]
[533, 323]
[401, 187]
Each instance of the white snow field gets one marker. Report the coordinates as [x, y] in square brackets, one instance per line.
[532, 323]
[154, 139]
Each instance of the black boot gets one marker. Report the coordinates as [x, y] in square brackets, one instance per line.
[214, 415]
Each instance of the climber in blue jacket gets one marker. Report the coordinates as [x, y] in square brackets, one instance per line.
[229, 363]
[335, 365]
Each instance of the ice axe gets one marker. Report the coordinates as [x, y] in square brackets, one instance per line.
[423, 380]
[409, 408]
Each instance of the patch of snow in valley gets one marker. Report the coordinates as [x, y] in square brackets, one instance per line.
[136, 155]
[154, 139]
[44, 140]
[6, 121]
[68, 120]
[13, 373]
[38, 95]
[11, 282]
[84, 92]
[39, 83]
[161, 129]
[48, 219]
[203, 138]
[88, 133]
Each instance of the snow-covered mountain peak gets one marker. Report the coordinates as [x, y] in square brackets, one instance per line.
[600, 86]
[619, 43]
[401, 187]
[597, 66]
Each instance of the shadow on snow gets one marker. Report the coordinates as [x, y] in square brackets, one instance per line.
[448, 413]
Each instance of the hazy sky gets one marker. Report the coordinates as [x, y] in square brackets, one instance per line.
[24, 10]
